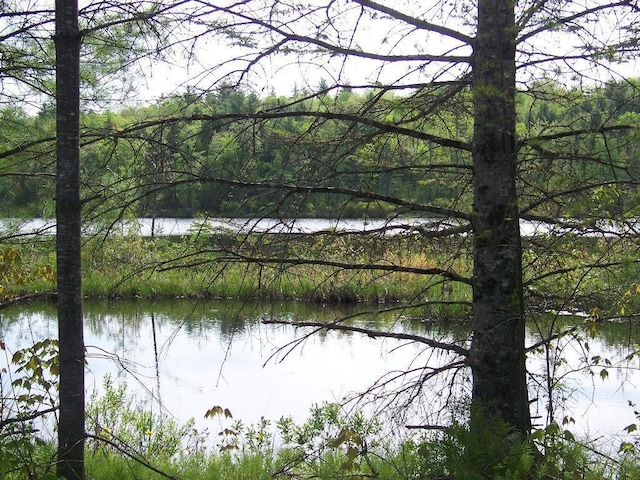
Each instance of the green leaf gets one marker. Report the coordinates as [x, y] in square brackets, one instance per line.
[33, 363]
[340, 439]
[592, 329]
[538, 435]
[352, 453]
[552, 428]
[626, 447]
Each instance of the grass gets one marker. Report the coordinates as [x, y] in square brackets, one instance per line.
[316, 269]
[561, 273]
[330, 445]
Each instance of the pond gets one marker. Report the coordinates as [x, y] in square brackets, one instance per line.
[192, 355]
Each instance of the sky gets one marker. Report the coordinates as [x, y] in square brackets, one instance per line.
[202, 65]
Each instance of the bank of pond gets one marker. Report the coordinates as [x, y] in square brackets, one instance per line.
[353, 265]
[228, 389]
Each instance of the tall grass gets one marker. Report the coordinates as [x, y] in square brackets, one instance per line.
[338, 269]
[133, 266]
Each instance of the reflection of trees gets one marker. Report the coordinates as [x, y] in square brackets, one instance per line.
[623, 333]
[129, 320]
[127, 326]
[619, 333]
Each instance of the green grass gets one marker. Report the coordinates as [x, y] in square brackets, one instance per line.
[588, 272]
[131, 267]
[322, 451]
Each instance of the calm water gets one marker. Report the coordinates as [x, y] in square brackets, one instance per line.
[194, 355]
[182, 226]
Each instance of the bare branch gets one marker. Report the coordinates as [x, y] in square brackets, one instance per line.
[549, 339]
[336, 49]
[26, 418]
[270, 115]
[533, 142]
[132, 456]
[578, 15]
[416, 22]
[450, 347]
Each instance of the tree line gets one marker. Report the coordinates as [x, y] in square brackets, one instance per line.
[209, 160]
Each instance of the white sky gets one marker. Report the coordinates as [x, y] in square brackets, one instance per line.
[210, 59]
[282, 74]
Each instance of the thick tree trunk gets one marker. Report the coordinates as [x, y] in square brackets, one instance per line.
[68, 217]
[497, 348]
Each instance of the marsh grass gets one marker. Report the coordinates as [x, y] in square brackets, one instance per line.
[133, 266]
[341, 269]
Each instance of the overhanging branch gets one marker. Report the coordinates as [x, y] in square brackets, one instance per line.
[337, 325]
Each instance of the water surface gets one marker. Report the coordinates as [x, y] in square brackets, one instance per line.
[189, 356]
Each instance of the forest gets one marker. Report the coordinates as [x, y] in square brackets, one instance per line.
[194, 155]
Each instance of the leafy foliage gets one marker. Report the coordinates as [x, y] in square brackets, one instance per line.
[208, 154]
[121, 423]
[13, 273]
[27, 398]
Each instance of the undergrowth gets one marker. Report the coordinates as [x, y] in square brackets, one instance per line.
[130, 439]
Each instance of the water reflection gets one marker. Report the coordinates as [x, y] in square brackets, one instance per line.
[193, 355]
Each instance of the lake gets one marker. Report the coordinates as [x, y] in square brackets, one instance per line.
[192, 355]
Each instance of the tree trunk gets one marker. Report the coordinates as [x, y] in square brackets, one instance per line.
[68, 218]
[497, 348]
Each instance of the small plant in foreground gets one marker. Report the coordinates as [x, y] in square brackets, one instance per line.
[27, 399]
[328, 441]
[118, 423]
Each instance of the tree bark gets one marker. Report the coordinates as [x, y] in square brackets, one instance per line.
[497, 353]
[68, 241]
